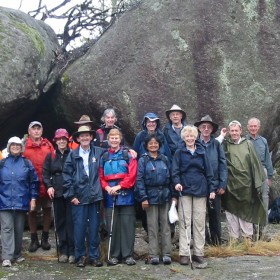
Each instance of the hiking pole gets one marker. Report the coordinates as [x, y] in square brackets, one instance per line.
[55, 232]
[186, 231]
[111, 229]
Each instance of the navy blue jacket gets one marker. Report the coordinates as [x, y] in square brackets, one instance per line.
[153, 180]
[18, 184]
[76, 183]
[193, 172]
[139, 140]
[174, 140]
[52, 171]
[216, 156]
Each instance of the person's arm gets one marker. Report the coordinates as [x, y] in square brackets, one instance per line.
[140, 189]
[222, 135]
[175, 175]
[130, 178]
[68, 173]
[268, 164]
[34, 187]
[223, 173]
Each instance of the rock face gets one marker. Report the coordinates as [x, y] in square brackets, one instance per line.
[27, 58]
[209, 56]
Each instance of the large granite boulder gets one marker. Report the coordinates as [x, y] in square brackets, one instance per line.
[209, 56]
[27, 59]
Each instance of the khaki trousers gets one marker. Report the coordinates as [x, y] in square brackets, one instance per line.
[195, 212]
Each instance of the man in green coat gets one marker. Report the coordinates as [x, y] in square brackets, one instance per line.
[242, 200]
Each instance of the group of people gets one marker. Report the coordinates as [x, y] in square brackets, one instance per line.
[92, 178]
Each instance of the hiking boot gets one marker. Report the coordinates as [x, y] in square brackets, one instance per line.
[113, 261]
[96, 263]
[152, 260]
[81, 262]
[184, 260]
[6, 263]
[63, 259]
[130, 261]
[166, 260]
[45, 241]
[20, 260]
[34, 245]
[71, 259]
[202, 263]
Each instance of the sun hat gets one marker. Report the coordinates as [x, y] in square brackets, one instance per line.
[82, 129]
[176, 108]
[83, 120]
[207, 119]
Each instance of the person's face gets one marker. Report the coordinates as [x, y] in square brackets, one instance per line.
[84, 139]
[35, 132]
[235, 132]
[151, 125]
[153, 145]
[253, 127]
[114, 141]
[61, 143]
[110, 120]
[15, 149]
[176, 117]
[189, 139]
[205, 129]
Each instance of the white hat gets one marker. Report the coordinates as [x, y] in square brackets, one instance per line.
[34, 123]
[15, 140]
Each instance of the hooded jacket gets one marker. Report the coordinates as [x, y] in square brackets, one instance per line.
[193, 172]
[139, 140]
[18, 184]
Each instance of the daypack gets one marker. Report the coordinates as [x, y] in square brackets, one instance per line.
[274, 214]
[26, 163]
[147, 159]
[105, 156]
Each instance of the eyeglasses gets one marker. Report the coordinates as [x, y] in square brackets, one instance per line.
[206, 126]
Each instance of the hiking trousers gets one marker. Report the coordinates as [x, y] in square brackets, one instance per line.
[157, 219]
[12, 226]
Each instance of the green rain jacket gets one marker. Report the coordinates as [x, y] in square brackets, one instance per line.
[245, 177]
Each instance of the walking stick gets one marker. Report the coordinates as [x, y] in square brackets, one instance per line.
[111, 229]
[55, 233]
[186, 231]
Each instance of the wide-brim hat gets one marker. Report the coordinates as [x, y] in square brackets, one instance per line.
[176, 108]
[83, 120]
[207, 119]
[82, 129]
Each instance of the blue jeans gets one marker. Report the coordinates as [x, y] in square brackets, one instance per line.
[86, 219]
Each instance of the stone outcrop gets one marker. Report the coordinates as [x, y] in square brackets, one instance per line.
[27, 58]
[209, 56]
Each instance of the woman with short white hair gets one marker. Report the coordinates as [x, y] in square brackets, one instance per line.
[192, 177]
[18, 192]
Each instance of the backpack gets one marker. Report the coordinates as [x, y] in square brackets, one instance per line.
[105, 156]
[26, 163]
[274, 214]
[147, 159]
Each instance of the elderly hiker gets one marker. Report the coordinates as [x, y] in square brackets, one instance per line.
[192, 176]
[18, 193]
[153, 190]
[81, 186]
[172, 130]
[242, 200]
[52, 177]
[216, 156]
[118, 175]
[36, 150]
[261, 146]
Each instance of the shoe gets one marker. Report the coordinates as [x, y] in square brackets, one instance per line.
[45, 241]
[154, 260]
[63, 259]
[6, 263]
[81, 262]
[184, 260]
[20, 260]
[96, 263]
[166, 260]
[71, 259]
[34, 245]
[202, 263]
[113, 261]
[130, 261]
